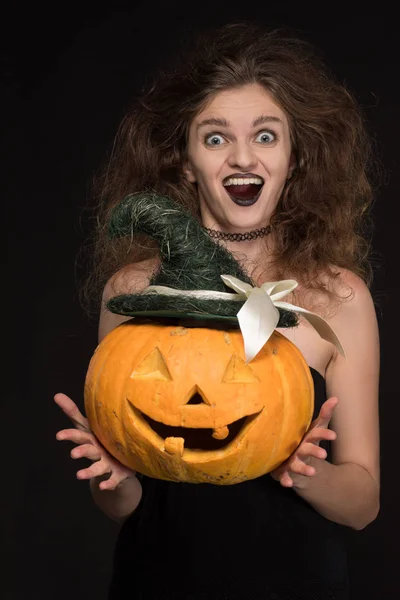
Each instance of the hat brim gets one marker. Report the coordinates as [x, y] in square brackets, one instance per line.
[174, 314]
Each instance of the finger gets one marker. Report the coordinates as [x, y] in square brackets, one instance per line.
[308, 449]
[111, 483]
[320, 433]
[69, 407]
[95, 470]
[301, 468]
[86, 451]
[77, 436]
[326, 412]
[286, 480]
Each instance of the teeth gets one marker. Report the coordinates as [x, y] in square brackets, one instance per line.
[174, 445]
[220, 433]
[243, 181]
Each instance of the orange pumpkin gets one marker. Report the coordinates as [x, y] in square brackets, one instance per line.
[179, 403]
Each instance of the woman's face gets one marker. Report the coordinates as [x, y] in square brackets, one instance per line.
[240, 156]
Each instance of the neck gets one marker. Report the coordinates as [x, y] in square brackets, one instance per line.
[252, 255]
[251, 250]
[251, 243]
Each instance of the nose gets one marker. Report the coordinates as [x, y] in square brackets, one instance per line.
[242, 157]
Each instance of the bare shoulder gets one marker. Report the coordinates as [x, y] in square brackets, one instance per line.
[350, 313]
[347, 288]
[348, 280]
[357, 301]
[130, 279]
[354, 314]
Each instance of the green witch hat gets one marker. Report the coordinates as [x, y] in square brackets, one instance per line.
[190, 262]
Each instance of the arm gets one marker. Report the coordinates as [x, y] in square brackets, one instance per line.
[115, 488]
[347, 490]
[346, 494]
[120, 502]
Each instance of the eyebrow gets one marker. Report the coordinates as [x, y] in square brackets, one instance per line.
[224, 123]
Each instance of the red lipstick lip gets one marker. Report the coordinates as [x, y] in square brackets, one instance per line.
[241, 175]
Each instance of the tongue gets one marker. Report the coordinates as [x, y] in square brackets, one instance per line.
[244, 192]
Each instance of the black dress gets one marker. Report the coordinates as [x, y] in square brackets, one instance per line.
[251, 541]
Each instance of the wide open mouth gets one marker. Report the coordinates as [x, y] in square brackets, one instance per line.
[243, 191]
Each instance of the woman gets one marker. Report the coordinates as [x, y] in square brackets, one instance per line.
[269, 151]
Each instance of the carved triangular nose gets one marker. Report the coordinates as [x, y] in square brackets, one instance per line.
[196, 396]
[196, 399]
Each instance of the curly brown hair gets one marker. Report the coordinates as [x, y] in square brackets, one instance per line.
[322, 220]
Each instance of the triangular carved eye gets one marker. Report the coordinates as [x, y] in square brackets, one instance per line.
[238, 372]
[152, 367]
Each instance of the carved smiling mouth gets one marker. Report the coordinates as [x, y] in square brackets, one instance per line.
[177, 438]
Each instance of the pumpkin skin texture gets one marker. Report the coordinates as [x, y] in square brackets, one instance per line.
[180, 404]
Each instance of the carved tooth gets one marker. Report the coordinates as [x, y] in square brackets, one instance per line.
[174, 445]
[220, 433]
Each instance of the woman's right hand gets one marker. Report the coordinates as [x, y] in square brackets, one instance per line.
[89, 447]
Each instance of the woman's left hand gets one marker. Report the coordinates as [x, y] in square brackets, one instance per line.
[291, 473]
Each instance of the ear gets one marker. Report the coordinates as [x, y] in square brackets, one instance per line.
[188, 172]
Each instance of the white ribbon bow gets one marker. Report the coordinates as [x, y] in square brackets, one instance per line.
[259, 315]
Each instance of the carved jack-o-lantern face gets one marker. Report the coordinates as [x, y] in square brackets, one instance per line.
[181, 404]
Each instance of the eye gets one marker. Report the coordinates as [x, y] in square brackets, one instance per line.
[214, 139]
[153, 366]
[266, 137]
[238, 372]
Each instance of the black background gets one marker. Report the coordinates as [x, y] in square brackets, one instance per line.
[68, 74]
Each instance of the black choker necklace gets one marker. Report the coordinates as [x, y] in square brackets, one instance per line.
[239, 237]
